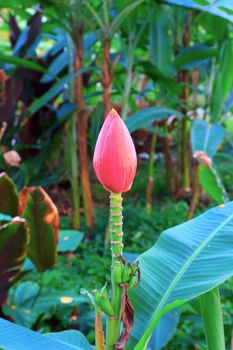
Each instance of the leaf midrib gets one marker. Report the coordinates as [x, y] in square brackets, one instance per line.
[207, 136]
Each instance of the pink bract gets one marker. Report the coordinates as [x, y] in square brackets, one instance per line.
[115, 159]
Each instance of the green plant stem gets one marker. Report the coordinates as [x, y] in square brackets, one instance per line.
[150, 184]
[128, 80]
[113, 323]
[107, 236]
[212, 318]
[82, 115]
[196, 193]
[72, 149]
[133, 42]
[184, 78]
[168, 159]
[95, 15]
[107, 76]
[106, 12]
[185, 155]
[112, 331]
[73, 165]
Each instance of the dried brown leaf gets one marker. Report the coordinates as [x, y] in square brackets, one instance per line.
[3, 130]
[99, 334]
[127, 318]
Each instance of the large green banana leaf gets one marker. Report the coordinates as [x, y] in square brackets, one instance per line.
[164, 330]
[223, 83]
[221, 8]
[14, 337]
[72, 337]
[186, 261]
[147, 116]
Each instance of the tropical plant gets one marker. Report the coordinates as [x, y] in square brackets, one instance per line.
[165, 66]
[29, 225]
[192, 250]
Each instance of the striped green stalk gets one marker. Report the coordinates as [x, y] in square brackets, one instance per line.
[211, 311]
[210, 302]
[128, 81]
[150, 183]
[71, 148]
[113, 323]
[185, 154]
[73, 172]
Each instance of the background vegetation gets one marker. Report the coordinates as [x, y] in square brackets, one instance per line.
[166, 67]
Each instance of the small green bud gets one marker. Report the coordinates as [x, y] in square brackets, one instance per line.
[126, 273]
[103, 302]
[134, 272]
[117, 271]
[132, 281]
[104, 290]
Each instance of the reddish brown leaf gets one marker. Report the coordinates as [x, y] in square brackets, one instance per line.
[3, 79]
[99, 334]
[127, 318]
[42, 219]
[52, 216]
[13, 251]
[30, 129]
[2, 132]
[13, 90]
[8, 195]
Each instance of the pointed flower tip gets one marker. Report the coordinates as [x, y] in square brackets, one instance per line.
[113, 113]
[115, 159]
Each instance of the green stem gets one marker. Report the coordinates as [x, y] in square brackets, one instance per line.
[112, 333]
[107, 237]
[73, 165]
[150, 184]
[113, 323]
[106, 12]
[212, 318]
[133, 42]
[128, 81]
[72, 155]
[168, 159]
[95, 15]
[185, 155]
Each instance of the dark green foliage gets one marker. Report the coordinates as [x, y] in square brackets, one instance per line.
[13, 250]
[9, 196]
[35, 234]
[168, 62]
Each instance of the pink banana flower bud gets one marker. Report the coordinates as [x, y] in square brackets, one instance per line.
[115, 159]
